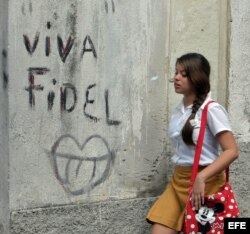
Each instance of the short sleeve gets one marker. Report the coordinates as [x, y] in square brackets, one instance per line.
[217, 119]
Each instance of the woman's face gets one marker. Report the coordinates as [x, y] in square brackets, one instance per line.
[182, 84]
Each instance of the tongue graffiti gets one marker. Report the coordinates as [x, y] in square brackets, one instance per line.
[81, 167]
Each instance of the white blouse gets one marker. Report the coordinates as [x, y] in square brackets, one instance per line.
[217, 121]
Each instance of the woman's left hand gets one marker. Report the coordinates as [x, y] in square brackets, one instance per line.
[198, 192]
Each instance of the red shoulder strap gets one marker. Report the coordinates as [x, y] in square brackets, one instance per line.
[199, 146]
[200, 142]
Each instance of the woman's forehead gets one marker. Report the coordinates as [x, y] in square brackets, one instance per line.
[179, 67]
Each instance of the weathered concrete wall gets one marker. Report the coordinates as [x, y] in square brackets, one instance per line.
[84, 125]
[114, 217]
[88, 104]
[239, 97]
[200, 26]
[4, 154]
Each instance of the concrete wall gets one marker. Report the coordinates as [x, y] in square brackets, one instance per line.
[88, 105]
[200, 26]
[4, 154]
[239, 97]
[86, 119]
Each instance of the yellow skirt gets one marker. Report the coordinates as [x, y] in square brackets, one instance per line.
[169, 209]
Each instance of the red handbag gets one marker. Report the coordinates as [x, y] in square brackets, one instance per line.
[209, 219]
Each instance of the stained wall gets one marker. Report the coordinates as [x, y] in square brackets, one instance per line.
[239, 96]
[4, 149]
[88, 100]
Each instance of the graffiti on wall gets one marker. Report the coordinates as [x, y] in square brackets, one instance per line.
[63, 46]
[107, 6]
[65, 89]
[32, 86]
[5, 76]
[80, 170]
[89, 170]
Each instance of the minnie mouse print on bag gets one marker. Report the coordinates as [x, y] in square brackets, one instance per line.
[210, 217]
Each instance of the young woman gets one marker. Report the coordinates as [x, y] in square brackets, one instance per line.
[191, 79]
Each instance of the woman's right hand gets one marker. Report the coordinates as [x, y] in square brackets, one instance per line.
[198, 192]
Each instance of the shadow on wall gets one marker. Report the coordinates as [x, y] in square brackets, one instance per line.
[1, 228]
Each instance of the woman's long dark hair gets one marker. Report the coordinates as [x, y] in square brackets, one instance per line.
[197, 69]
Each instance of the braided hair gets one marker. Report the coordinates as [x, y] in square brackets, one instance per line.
[197, 69]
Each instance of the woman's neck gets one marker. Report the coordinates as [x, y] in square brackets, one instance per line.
[188, 100]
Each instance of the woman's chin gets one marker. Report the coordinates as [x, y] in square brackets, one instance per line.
[178, 91]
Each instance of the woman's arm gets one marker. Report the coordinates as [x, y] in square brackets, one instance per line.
[229, 154]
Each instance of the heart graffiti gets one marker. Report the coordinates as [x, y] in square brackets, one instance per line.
[80, 168]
